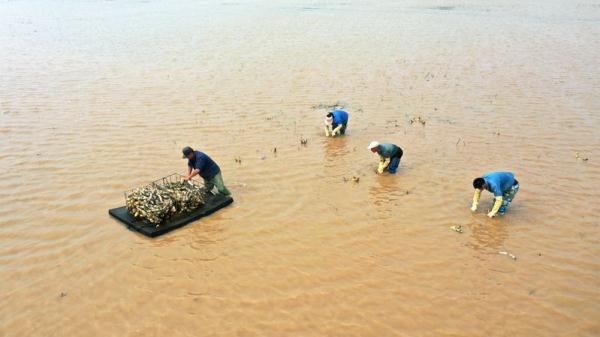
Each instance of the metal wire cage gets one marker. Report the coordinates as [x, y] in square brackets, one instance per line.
[171, 178]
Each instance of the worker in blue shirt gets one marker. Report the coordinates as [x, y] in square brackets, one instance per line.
[502, 184]
[389, 156]
[199, 163]
[336, 122]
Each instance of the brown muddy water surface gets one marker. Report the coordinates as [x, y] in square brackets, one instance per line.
[97, 97]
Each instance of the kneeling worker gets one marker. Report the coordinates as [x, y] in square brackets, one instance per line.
[389, 156]
[200, 163]
[502, 184]
[336, 122]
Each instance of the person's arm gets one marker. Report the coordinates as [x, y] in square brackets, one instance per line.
[476, 197]
[337, 129]
[496, 207]
[383, 163]
[327, 131]
[191, 173]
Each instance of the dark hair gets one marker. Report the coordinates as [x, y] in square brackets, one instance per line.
[330, 114]
[478, 183]
[187, 151]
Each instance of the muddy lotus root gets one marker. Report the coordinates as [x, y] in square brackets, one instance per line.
[156, 203]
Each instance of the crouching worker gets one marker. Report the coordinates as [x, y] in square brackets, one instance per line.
[336, 122]
[200, 163]
[389, 156]
[502, 184]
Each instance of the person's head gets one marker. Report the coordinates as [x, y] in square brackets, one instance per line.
[329, 119]
[374, 146]
[188, 153]
[479, 183]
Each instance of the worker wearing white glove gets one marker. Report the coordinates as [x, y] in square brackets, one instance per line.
[383, 164]
[502, 184]
[389, 156]
[336, 123]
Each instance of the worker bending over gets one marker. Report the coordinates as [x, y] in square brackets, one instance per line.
[389, 156]
[336, 122]
[502, 184]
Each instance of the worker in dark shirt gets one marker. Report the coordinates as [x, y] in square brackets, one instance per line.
[389, 156]
[199, 163]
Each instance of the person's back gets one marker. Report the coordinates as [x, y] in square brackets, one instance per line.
[499, 182]
[208, 168]
[388, 150]
[340, 117]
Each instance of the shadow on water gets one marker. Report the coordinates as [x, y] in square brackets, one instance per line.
[336, 147]
[197, 235]
[385, 191]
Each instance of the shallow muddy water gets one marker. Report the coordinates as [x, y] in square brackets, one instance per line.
[98, 97]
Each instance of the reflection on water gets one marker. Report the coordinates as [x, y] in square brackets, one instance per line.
[385, 191]
[487, 235]
[335, 148]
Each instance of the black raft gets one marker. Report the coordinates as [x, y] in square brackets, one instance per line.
[211, 205]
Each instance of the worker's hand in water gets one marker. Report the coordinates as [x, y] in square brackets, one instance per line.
[383, 163]
[496, 207]
[474, 207]
[336, 131]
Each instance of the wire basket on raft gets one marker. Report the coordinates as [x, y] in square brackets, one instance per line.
[164, 198]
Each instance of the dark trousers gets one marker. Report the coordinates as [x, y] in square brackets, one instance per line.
[395, 161]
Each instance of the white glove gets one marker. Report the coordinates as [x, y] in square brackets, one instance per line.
[336, 131]
[383, 163]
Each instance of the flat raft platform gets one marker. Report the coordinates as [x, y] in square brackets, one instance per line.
[211, 205]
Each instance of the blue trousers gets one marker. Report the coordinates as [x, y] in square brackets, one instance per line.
[394, 163]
